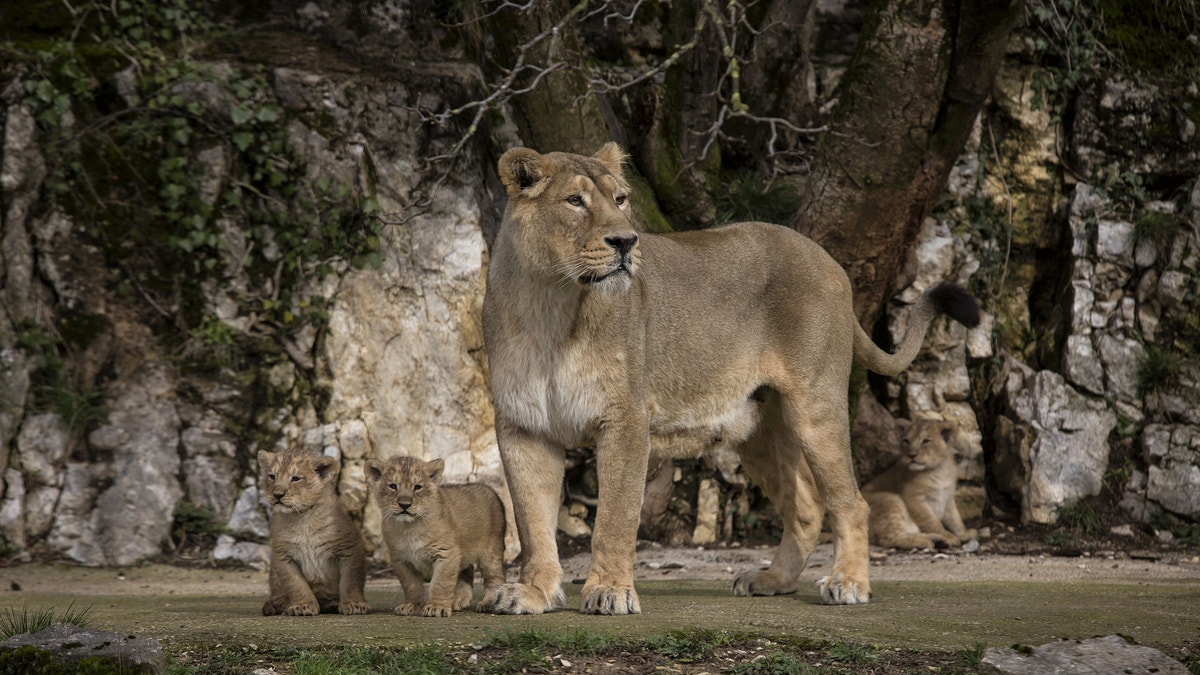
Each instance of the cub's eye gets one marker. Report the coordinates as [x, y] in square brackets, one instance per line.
[575, 200]
[619, 199]
[270, 476]
[418, 487]
[295, 479]
[393, 487]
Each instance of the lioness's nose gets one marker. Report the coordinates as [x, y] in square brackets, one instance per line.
[622, 243]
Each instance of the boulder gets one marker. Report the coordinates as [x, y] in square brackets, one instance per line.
[1101, 656]
[82, 649]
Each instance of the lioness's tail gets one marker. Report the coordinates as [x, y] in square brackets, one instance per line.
[945, 298]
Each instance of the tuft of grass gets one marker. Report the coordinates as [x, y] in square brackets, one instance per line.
[967, 660]
[776, 663]
[1156, 227]
[744, 195]
[1080, 517]
[1158, 370]
[422, 660]
[851, 652]
[15, 621]
[683, 645]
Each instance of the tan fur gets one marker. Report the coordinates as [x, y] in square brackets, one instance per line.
[740, 336]
[443, 531]
[912, 503]
[318, 562]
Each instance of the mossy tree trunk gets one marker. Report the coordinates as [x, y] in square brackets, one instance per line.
[920, 74]
[561, 113]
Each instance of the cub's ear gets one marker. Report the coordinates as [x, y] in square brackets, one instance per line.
[374, 470]
[327, 468]
[949, 432]
[523, 171]
[435, 467]
[613, 158]
[264, 458]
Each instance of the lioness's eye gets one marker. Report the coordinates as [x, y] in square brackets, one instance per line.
[575, 200]
[620, 199]
[295, 479]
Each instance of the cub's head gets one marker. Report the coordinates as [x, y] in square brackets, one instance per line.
[569, 217]
[295, 481]
[405, 487]
[928, 444]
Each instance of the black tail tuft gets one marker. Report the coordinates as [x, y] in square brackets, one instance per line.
[951, 300]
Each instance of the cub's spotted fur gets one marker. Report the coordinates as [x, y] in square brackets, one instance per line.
[318, 562]
[443, 531]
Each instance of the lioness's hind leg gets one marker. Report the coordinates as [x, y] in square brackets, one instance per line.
[773, 461]
[823, 424]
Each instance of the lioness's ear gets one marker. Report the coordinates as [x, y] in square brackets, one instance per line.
[522, 170]
[374, 470]
[435, 468]
[327, 467]
[613, 158]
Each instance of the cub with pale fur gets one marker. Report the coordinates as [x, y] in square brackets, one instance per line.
[318, 561]
[912, 503]
[443, 531]
[740, 336]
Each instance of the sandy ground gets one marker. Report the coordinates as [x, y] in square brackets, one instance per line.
[654, 564]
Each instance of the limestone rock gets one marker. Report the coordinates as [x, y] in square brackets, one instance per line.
[1173, 451]
[41, 447]
[68, 644]
[252, 553]
[211, 482]
[248, 518]
[1101, 656]
[1061, 453]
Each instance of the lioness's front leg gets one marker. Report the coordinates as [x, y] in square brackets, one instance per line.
[622, 452]
[534, 469]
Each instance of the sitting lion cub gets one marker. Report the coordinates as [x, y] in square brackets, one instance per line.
[318, 562]
[440, 530]
[912, 503]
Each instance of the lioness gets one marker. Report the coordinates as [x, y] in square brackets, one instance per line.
[440, 530]
[318, 561]
[741, 335]
[912, 503]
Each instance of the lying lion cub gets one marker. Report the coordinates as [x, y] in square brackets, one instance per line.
[440, 530]
[912, 503]
[740, 336]
[318, 562]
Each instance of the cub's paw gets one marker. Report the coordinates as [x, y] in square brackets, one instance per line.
[521, 599]
[462, 598]
[407, 609]
[361, 607]
[610, 600]
[838, 589]
[436, 610]
[303, 609]
[968, 535]
[750, 582]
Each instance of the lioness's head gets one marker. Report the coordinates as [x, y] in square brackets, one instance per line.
[293, 480]
[569, 216]
[405, 487]
[927, 444]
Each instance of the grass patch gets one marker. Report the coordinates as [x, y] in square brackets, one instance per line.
[15, 621]
[744, 195]
[1158, 370]
[1080, 517]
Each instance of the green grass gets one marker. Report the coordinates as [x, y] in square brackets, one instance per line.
[1080, 517]
[746, 196]
[1158, 370]
[15, 621]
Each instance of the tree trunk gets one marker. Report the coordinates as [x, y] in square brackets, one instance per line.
[561, 113]
[919, 77]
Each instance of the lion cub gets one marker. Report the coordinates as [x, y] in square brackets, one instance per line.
[443, 531]
[912, 503]
[318, 561]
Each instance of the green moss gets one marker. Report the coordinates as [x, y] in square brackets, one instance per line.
[34, 661]
[1153, 34]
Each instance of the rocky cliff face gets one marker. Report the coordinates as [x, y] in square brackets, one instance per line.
[131, 410]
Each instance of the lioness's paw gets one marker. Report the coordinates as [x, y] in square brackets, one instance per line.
[303, 609]
[521, 599]
[362, 607]
[436, 610]
[407, 609]
[610, 600]
[762, 582]
[836, 589]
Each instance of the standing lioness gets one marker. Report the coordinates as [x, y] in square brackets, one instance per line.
[741, 335]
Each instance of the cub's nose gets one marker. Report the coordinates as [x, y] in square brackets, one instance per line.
[622, 243]
[279, 494]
